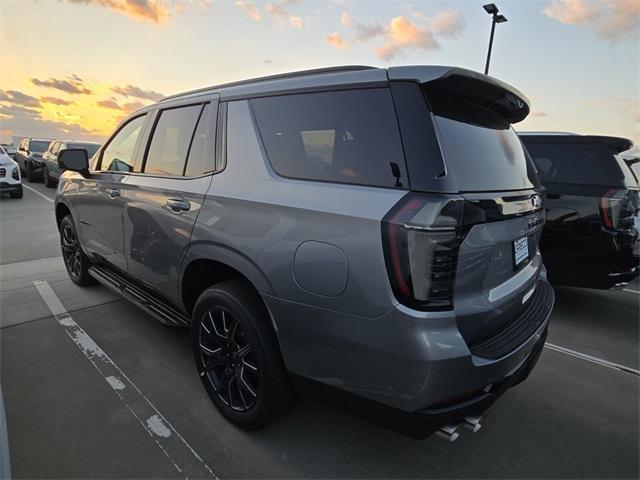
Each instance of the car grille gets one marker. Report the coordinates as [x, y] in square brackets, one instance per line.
[515, 333]
[3, 172]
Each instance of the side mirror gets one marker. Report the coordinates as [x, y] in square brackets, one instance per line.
[74, 159]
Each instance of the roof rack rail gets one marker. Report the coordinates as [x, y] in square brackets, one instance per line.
[279, 76]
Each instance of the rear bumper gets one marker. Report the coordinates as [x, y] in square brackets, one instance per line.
[620, 268]
[415, 362]
[602, 261]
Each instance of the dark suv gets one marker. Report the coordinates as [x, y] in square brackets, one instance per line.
[29, 157]
[591, 235]
[374, 231]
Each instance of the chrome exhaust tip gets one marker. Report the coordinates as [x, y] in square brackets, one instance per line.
[449, 432]
[472, 422]
[619, 286]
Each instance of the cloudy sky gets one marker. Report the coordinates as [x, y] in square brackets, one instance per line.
[74, 68]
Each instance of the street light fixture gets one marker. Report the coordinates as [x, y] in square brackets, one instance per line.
[492, 10]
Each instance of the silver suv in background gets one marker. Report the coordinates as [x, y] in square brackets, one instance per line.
[373, 232]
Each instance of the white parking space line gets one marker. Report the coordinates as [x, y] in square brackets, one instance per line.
[48, 199]
[589, 358]
[631, 291]
[177, 450]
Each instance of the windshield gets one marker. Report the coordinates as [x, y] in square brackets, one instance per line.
[38, 146]
[483, 157]
[91, 148]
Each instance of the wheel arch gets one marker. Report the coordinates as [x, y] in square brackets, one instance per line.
[62, 210]
[206, 265]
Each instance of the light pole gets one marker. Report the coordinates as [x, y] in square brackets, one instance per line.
[491, 9]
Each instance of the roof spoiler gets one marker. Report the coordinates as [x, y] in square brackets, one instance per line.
[483, 90]
[619, 144]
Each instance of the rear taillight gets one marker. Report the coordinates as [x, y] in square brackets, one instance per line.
[421, 237]
[618, 208]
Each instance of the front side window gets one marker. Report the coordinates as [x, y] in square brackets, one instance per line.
[118, 154]
[171, 140]
[346, 136]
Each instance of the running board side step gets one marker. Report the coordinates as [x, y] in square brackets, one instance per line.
[161, 311]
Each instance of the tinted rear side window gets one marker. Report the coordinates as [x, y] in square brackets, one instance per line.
[201, 153]
[345, 137]
[171, 140]
[568, 162]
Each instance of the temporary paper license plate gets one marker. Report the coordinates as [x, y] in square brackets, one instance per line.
[520, 251]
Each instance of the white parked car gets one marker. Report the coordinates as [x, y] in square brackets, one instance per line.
[10, 178]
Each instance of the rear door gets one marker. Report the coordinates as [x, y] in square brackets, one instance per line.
[162, 202]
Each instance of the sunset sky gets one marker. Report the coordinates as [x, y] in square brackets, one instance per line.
[73, 68]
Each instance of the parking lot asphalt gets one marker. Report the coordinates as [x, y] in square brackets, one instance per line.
[70, 416]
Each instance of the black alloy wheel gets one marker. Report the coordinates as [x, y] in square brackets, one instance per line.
[228, 359]
[237, 355]
[75, 260]
[71, 250]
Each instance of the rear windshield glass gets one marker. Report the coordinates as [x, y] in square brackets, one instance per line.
[569, 162]
[89, 147]
[483, 157]
[38, 146]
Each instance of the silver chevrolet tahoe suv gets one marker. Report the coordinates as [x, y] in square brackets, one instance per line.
[370, 232]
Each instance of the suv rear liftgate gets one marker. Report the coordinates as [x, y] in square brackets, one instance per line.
[471, 248]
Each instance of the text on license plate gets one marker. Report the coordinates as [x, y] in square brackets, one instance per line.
[520, 251]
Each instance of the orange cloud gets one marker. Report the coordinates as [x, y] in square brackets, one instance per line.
[296, 22]
[156, 11]
[449, 24]
[280, 16]
[250, 9]
[72, 84]
[137, 92]
[611, 19]
[337, 40]
[403, 35]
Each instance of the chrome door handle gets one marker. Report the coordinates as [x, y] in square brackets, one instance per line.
[178, 205]
[113, 192]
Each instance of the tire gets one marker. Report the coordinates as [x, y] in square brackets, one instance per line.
[47, 179]
[250, 389]
[17, 194]
[75, 260]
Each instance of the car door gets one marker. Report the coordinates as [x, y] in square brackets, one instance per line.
[161, 203]
[98, 199]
